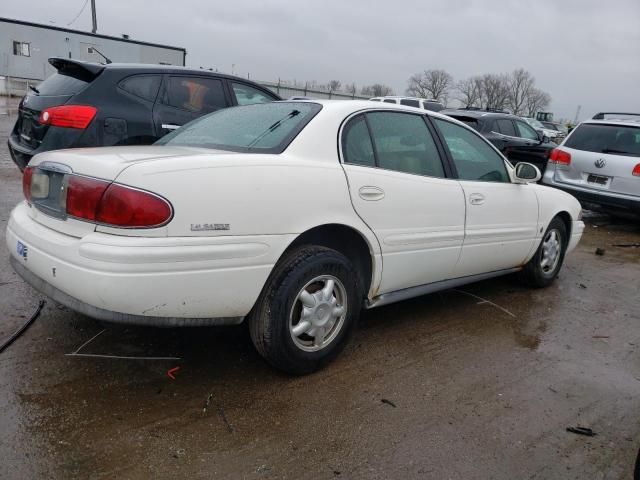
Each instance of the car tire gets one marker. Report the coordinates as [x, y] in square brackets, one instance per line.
[545, 264]
[307, 310]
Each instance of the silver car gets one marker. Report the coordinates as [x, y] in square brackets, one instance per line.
[599, 163]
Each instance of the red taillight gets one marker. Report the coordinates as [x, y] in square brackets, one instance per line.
[560, 157]
[126, 207]
[26, 183]
[636, 171]
[117, 205]
[69, 116]
[83, 196]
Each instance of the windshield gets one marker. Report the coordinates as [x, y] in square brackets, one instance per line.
[259, 128]
[603, 138]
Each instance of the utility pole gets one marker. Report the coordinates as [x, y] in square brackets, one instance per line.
[575, 120]
[94, 18]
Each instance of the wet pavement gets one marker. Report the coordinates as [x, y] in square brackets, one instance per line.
[474, 383]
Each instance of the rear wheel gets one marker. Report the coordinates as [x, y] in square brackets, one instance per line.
[307, 310]
[545, 264]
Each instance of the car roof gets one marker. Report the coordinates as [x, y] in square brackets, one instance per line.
[95, 68]
[477, 114]
[615, 121]
[406, 97]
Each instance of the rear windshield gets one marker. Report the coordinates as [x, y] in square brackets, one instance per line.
[472, 122]
[59, 84]
[258, 128]
[603, 138]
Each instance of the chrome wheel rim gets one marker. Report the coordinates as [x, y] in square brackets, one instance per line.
[318, 313]
[551, 249]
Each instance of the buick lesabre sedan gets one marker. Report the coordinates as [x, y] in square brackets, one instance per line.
[292, 216]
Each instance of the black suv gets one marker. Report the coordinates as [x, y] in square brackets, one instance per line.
[91, 105]
[514, 137]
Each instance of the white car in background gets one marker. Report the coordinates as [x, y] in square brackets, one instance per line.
[289, 215]
[599, 163]
[550, 133]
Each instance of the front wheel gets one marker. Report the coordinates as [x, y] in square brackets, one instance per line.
[307, 310]
[545, 264]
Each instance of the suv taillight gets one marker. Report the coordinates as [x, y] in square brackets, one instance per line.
[26, 183]
[560, 157]
[115, 205]
[69, 116]
[636, 171]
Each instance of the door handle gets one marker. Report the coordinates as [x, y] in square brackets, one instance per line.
[371, 194]
[170, 126]
[476, 199]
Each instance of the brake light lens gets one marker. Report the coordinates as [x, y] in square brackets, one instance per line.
[26, 183]
[68, 116]
[83, 196]
[560, 157]
[127, 207]
[115, 205]
[636, 171]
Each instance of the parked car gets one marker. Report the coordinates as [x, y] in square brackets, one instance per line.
[599, 164]
[514, 137]
[550, 133]
[252, 213]
[558, 127]
[90, 105]
[424, 103]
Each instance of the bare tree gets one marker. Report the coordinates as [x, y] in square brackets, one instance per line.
[434, 84]
[351, 89]
[470, 91]
[536, 101]
[377, 90]
[494, 91]
[334, 85]
[521, 86]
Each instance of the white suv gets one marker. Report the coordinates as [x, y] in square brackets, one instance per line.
[424, 103]
[599, 163]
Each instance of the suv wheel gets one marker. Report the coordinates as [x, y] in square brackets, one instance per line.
[307, 310]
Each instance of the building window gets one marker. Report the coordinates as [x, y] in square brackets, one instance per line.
[22, 49]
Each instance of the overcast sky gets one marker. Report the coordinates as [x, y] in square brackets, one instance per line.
[583, 52]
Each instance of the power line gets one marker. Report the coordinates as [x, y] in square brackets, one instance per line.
[79, 13]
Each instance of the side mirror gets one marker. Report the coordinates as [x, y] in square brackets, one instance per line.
[527, 173]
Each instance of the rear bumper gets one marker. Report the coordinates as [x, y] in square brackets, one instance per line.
[169, 281]
[598, 198]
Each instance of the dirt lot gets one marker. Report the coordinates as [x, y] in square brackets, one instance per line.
[475, 383]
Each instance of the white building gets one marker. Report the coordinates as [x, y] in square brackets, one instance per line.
[25, 48]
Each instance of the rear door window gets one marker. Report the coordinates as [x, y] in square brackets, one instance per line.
[403, 143]
[247, 95]
[603, 138]
[356, 143]
[505, 127]
[59, 84]
[195, 94]
[473, 157]
[143, 86]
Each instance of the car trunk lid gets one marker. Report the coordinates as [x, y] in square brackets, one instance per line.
[50, 173]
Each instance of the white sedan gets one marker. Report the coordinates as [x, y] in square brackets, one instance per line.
[290, 215]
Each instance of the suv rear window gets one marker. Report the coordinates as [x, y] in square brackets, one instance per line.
[606, 138]
[59, 84]
[257, 128]
[470, 121]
